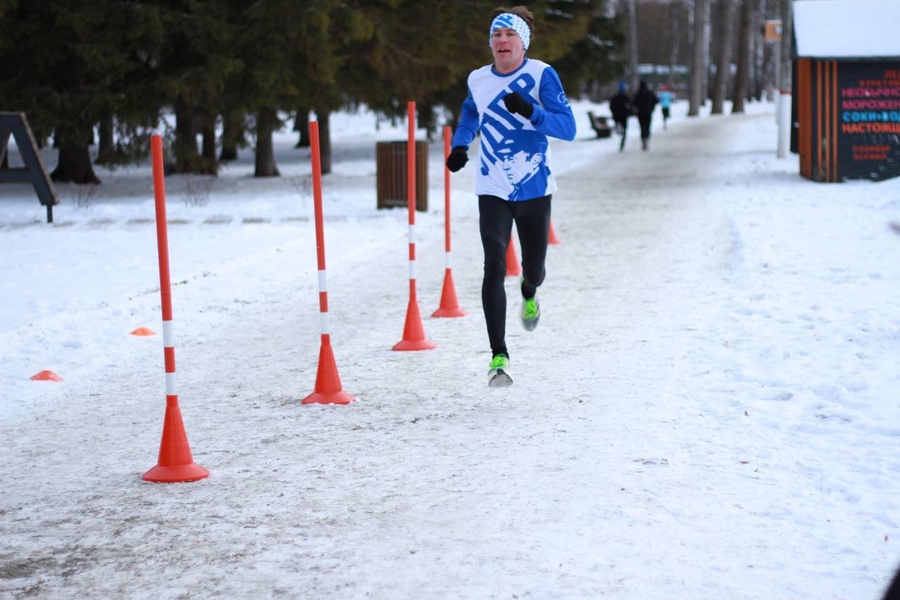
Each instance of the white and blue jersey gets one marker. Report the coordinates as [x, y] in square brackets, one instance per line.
[514, 158]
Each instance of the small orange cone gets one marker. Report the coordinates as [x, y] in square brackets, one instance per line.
[46, 376]
[143, 331]
[449, 303]
[552, 239]
[328, 388]
[176, 463]
[512, 260]
[413, 331]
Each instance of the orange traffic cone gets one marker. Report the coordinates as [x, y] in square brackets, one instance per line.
[413, 330]
[46, 376]
[512, 260]
[328, 388]
[176, 463]
[449, 303]
[552, 239]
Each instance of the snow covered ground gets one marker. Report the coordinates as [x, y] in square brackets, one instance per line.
[709, 408]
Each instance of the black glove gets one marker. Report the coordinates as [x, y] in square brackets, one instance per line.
[516, 103]
[458, 158]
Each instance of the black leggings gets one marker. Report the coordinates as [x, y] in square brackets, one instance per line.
[532, 218]
[645, 127]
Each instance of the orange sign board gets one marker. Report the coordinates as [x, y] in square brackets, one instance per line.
[773, 30]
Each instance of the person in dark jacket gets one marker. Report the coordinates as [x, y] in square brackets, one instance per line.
[621, 108]
[644, 102]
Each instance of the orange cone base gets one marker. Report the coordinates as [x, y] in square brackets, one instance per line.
[176, 474]
[143, 331]
[449, 312]
[46, 376]
[328, 388]
[405, 345]
[413, 331]
[512, 261]
[175, 463]
[449, 303]
[329, 398]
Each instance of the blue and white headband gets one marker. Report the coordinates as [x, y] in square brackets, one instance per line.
[514, 22]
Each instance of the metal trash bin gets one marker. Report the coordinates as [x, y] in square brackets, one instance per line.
[391, 181]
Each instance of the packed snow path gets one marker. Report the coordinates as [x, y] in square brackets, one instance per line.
[672, 433]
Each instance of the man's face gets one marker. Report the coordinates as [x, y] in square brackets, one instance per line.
[518, 166]
[508, 49]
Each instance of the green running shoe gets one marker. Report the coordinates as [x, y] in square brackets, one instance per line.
[531, 313]
[498, 372]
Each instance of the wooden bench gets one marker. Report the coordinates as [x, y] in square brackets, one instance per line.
[600, 125]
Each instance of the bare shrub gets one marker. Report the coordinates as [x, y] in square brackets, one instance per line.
[83, 195]
[303, 184]
[197, 189]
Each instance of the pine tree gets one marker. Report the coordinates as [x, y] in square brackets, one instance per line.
[70, 64]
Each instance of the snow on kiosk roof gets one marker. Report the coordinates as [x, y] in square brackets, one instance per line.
[863, 29]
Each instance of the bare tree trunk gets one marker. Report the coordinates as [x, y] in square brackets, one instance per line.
[742, 77]
[187, 156]
[769, 72]
[787, 17]
[106, 143]
[208, 137]
[723, 58]
[74, 164]
[324, 117]
[232, 134]
[696, 92]
[758, 83]
[301, 125]
[266, 119]
[785, 98]
[632, 44]
[707, 44]
[675, 23]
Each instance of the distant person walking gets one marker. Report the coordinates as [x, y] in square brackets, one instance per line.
[516, 103]
[644, 102]
[621, 108]
[665, 103]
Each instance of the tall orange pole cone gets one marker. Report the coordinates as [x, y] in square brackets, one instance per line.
[413, 331]
[176, 463]
[551, 238]
[513, 267]
[449, 306]
[328, 381]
